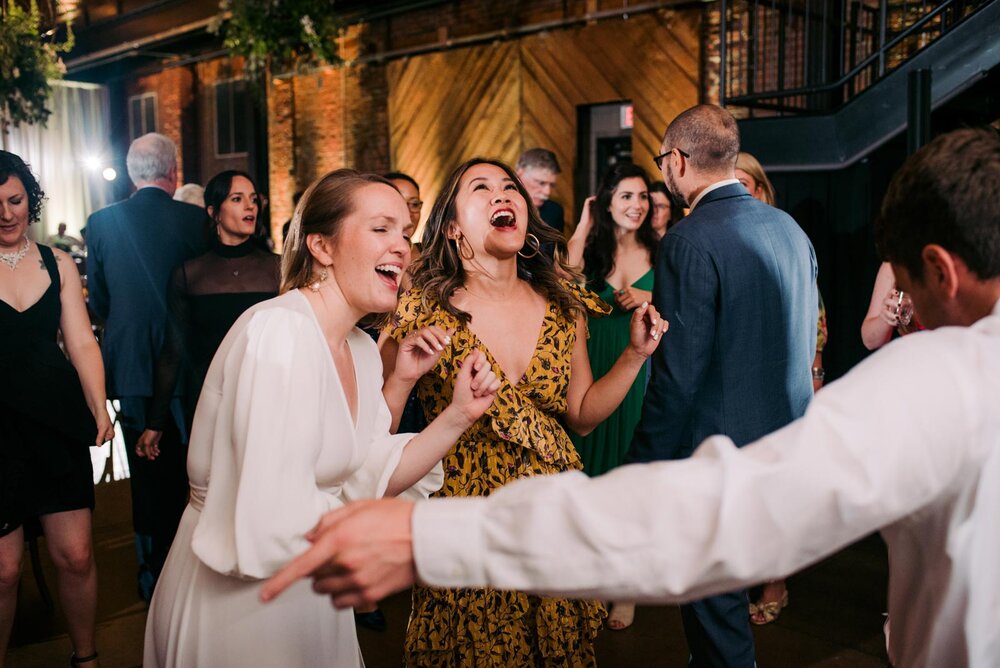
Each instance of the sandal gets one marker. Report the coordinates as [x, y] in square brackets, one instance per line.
[75, 660]
[765, 613]
[621, 617]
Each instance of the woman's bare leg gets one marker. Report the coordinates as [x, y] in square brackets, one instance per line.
[11, 554]
[70, 544]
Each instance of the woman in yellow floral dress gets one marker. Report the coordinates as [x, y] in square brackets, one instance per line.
[481, 281]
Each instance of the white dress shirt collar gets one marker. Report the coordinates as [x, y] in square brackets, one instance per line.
[714, 186]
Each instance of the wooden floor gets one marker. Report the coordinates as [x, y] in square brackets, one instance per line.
[835, 616]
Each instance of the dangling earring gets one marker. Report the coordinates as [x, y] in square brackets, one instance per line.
[464, 246]
[532, 242]
[323, 275]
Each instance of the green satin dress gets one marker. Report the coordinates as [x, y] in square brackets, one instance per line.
[605, 447]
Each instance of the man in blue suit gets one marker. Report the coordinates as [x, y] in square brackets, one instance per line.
[737, 281]
[133, 248]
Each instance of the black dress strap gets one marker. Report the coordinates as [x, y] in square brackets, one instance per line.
[49, 258]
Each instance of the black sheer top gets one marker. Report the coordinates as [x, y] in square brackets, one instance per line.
[206, 296]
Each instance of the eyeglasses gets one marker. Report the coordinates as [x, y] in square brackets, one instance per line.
[659, 158]
[414, 204]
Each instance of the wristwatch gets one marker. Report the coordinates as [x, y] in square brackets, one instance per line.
[818, 373]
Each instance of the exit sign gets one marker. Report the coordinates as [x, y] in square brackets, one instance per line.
[626, 116]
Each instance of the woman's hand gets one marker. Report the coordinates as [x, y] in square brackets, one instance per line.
[583, 227]
[148, 446]
[630, 298]
[105, 427]
[646, 329]
[576, 244]
[890, 308]
[418, 353]
[475, 386]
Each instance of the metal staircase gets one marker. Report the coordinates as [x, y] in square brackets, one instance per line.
[821, 83]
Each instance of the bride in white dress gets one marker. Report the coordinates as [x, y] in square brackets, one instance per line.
[292, 423]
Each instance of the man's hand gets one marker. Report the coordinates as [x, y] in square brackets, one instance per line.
[360, 554]
[148, 446]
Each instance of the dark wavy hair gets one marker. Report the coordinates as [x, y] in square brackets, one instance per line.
[12, 165]
[602, 242]
[439, 272]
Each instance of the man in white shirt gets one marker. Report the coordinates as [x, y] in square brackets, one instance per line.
[908, 442]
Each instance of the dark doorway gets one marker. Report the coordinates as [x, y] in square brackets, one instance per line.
[604, 139]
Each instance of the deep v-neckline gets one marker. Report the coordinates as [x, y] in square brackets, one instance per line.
[632, 284]
[534, 353]
[353, 417]
[33, 304]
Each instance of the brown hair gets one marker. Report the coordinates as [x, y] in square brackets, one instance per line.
[947, 193]
[751, 166]
[439, 271]
[322, 210]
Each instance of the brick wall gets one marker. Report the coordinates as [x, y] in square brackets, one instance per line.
[280, 151]
[339, 117]
[710, 53]
[174, 95]
[208, 74]
[324, 120]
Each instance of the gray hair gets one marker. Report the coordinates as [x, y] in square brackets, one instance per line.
[151, 157]
[541, 158]
[192, 193]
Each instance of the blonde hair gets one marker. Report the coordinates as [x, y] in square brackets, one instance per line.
[321, 210]
[751, 166]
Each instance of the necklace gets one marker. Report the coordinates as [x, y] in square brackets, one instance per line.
[11, 259]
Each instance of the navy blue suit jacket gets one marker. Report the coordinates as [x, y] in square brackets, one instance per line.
[133, 248]
[737, 281]
[552, 214]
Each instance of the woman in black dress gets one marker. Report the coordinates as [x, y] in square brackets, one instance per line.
[207, 295]
[51, 410]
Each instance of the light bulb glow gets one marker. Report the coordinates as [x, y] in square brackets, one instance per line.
[109, 174]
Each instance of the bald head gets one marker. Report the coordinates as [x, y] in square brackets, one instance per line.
[710, 136]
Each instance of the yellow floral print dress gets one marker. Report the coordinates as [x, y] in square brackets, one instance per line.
[518, 436]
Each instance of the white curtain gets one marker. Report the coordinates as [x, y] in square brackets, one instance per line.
[77, 129]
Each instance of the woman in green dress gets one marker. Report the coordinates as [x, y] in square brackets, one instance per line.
[617, 242]
[617, 251]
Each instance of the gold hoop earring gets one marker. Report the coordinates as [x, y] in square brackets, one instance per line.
[316, 284]
[462, 244]
[532, 242]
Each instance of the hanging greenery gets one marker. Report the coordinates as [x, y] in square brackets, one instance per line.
[27, 64]
[279, 35]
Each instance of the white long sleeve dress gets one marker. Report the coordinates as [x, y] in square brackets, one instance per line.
[273, 447]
